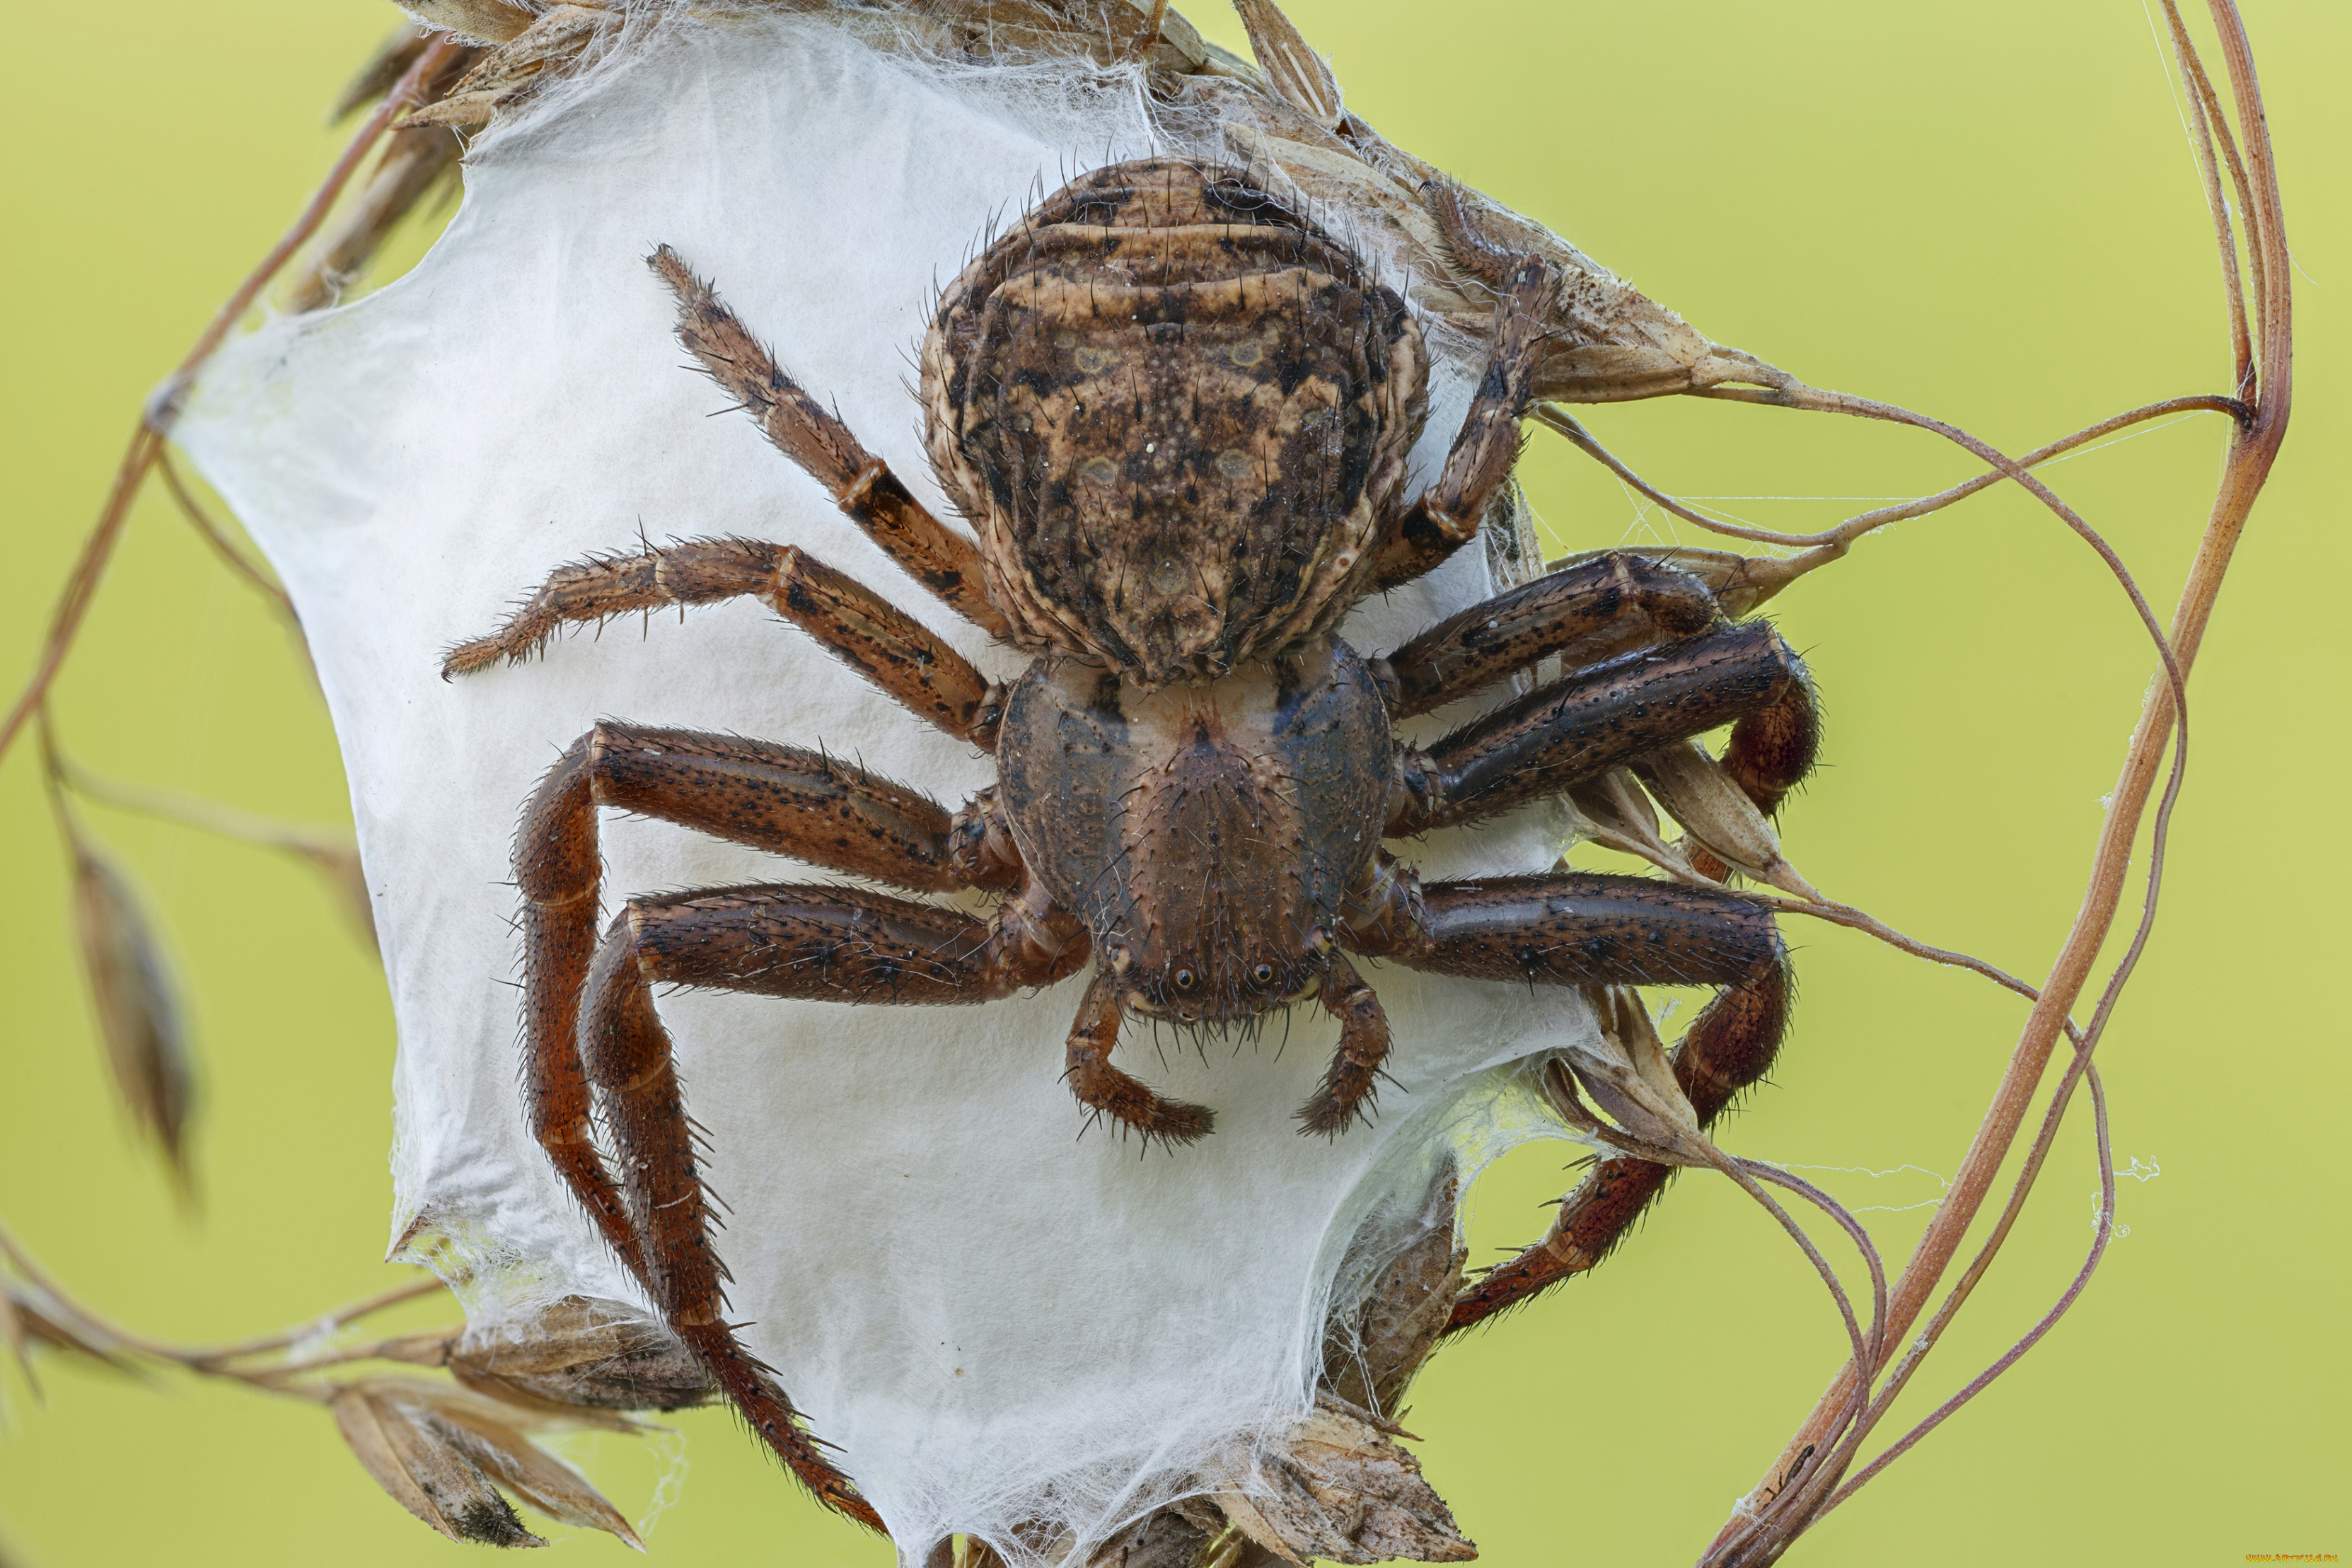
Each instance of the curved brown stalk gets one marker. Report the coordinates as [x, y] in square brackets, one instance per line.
[216, 537]
[223, 1361]
[155, 420]
[1554, 417]
[2248, 466]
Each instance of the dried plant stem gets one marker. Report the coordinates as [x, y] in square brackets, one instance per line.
[155, 421]
[1694, 1148]
[1831, 543]
[310, 843]
[1751, 1541]
[213, 534]
[2213, 125]
[74, 602]
[284, 1377]
[350, 1313]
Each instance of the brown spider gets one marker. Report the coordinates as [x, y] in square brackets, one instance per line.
[1178, 414]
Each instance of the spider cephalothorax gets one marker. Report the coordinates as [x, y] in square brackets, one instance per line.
[1176, 415]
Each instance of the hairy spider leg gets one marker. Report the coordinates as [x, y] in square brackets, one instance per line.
[1571, 928]
[823, 942]
[1583, 725]
[773, 798]
[1446, 516]
[814, 943]
[1594, 610]
[854, 624]
[861, 484]
[1584, 613]
[1121, 1097]
[776, 797]
[1349, 1083]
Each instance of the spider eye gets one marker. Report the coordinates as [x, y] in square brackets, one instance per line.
[1185, 979]
[1262, 974]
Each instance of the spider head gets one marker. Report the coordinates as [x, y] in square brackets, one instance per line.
[1200, 984]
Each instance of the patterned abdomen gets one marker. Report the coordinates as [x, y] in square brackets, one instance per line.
[1177, 413]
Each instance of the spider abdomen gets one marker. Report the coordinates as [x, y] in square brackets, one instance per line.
[1178, 414]
[1207, 833]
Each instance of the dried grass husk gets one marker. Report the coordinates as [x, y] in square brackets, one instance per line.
[444, 1455]
[139, 1013]
[482, 21]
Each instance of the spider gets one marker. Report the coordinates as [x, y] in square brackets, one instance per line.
[1178, 415]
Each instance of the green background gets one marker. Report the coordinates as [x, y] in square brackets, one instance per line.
[1988, 212]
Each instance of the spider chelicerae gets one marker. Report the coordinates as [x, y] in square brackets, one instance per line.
[1176, 415]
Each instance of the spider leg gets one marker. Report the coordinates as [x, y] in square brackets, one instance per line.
[776, 797]
[1121, 1097]
[1447, 514]
[1593, 610]
[856, 625]
[860, 483]
[1579, 928]
[1582, 725]
[1348, 1086]
[825, 943]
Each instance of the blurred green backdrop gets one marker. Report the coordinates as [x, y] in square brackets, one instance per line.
[1985, 212]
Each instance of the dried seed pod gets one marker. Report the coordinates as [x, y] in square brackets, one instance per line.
[443, 1454]
[400, 1445]
[552, 43]
[139, 1015]
[1697, 793]
[1301, 76]
[582, 1354]
[491, 21]
[381, 73]
[1336, 1487]
[1613, 812]
[1632, 1078]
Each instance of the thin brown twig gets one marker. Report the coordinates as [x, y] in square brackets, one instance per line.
[2200, 86]
[349, 1313]
[82, 583]
[1851, 1427]
[1553, 417]
[301, 840]
[2202, 111]
[155, 418]
[1698, 1148]
[220, 1361]
[218, 539]
[1788, 391]
[2021, 1189]
[1820, 907]
[2248, 466]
